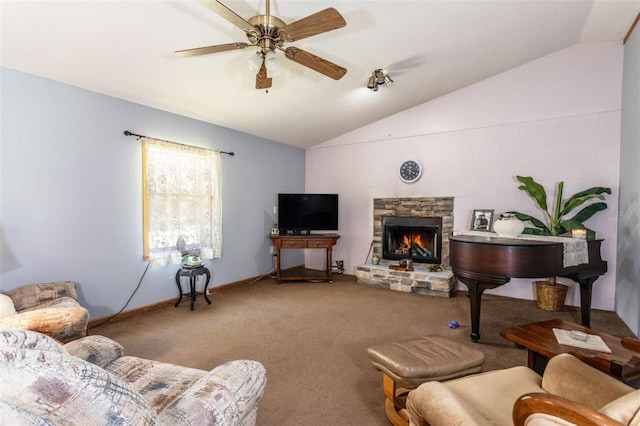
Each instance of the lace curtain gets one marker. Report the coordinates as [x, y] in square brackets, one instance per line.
[182, 201]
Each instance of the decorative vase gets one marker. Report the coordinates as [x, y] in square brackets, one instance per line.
[508, 226]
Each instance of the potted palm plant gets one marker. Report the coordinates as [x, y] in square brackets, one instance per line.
[550, 295]
[557, 222]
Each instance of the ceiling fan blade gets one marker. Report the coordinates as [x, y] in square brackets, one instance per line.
[262, 81]
[316, 63]
[229, 15]
[318, 23]
[198, 51]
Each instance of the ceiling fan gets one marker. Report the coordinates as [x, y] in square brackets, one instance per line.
[269, 33]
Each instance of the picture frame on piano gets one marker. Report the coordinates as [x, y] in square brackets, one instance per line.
[482, 220]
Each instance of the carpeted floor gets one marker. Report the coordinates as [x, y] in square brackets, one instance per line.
[313, 339]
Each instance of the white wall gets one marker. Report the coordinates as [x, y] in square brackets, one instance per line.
[628, 265]
[71, 193]
[555, 118]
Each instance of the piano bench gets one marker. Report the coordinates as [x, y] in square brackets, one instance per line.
[407, 364]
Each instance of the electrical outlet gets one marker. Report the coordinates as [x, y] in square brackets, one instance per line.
[272, 249]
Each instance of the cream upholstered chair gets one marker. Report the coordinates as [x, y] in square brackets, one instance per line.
[90, 381]
[50, 308]
[569, 393]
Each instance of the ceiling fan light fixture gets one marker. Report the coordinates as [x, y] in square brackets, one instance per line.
[255, 62]
[272, 62]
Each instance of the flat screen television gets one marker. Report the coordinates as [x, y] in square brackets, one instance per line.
[303, 213]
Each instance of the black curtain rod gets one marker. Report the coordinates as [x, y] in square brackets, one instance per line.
[128, 133]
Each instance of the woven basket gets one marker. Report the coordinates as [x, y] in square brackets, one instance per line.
[550, 297]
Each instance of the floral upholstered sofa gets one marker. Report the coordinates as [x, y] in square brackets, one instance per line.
[51, 308]
[90, 382]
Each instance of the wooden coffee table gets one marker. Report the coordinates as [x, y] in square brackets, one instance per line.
[623, 362]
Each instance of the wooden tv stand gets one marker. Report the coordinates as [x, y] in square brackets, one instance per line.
[311, 241]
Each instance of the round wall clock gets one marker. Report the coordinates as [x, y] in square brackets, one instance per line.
[410, 171]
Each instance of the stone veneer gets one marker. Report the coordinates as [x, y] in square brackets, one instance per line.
[421, 280]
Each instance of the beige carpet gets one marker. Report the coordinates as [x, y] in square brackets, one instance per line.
[313, 339]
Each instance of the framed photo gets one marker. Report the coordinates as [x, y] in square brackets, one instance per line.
[481, 220]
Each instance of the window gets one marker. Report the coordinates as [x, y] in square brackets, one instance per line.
[182, 201]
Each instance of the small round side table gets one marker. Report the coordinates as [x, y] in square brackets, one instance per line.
[193, 273]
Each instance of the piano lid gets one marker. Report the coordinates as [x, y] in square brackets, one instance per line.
[519, 257]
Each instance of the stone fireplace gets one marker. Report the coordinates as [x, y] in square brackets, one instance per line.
[423, 207]
[429, 223]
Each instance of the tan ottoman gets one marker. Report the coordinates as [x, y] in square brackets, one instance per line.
[407, 364]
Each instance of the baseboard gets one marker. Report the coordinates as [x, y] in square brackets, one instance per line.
[131, 313]
[170, 302]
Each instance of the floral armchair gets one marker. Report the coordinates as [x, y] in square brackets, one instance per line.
[50, 308]
[90, 382]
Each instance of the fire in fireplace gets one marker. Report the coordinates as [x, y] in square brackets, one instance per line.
[416, 238]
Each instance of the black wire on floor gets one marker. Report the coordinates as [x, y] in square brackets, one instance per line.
[128, 301]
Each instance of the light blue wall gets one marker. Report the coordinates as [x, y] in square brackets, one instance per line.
[71, 192]
[628, 265]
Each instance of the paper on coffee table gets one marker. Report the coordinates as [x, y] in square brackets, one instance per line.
[592, 342]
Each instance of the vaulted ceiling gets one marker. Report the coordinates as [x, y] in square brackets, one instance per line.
[429, 48]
